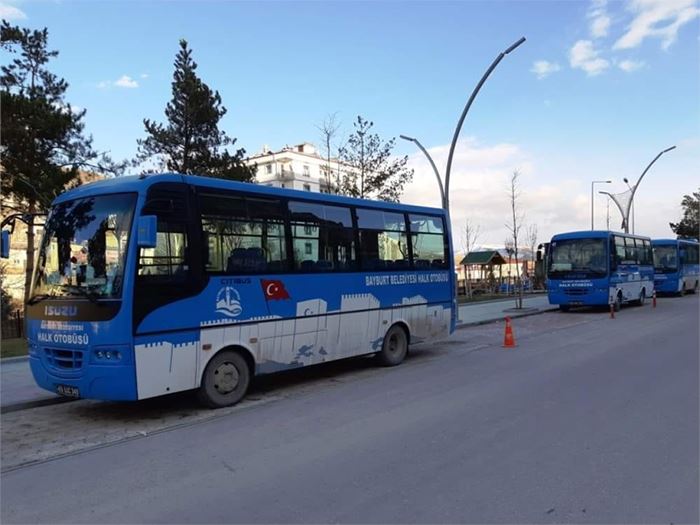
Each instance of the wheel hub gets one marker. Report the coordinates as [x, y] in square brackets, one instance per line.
[225, 378]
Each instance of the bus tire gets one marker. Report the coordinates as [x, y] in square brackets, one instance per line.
[564, 307]
[225, 380]
[394, 347]
[617, 305]
[642, 298]
[695, 288]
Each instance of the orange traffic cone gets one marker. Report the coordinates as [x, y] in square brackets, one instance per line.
[509, 339]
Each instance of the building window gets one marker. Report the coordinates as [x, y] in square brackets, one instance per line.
[268, 168]
[306, 171]
[307, 187]
[308, 248]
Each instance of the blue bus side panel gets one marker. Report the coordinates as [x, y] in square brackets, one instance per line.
[288, 321]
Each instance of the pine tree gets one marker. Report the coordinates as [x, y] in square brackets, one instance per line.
[43, 141]
[191, 142]
[372, 172]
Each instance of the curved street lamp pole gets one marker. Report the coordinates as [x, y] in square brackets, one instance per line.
[432, 164]
[626, 181]
[634, 188]
[593, 183]
[448, 170]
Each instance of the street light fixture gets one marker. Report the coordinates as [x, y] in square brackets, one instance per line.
[435, 170]
[593, 183]
[464, 114]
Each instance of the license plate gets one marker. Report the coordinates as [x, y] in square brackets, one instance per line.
[68, 391]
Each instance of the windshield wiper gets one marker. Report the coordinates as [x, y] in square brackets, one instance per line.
[38, 298]
[91, 296]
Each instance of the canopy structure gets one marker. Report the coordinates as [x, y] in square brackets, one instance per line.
[485, 258]
[479, 271]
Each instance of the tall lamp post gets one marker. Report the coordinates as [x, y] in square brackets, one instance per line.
[634, 188]
[445, 191]
[631, 204]
[432, 164]
[593, 183]
[493, 65]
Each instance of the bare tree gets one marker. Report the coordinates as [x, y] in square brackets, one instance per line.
[531, 238]
[514, 228]
[470, 236]
[329, 129]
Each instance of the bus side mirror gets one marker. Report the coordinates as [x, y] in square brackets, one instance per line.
[147, 231]
[539, 255]
[5, 242]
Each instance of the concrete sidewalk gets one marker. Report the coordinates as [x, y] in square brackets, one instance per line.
[18, 390]
[489, 311]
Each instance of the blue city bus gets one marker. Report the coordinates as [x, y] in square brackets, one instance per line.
[155, 284]
[589, 268]
[676, 265]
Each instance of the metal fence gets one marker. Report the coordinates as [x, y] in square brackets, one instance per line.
[13, 326]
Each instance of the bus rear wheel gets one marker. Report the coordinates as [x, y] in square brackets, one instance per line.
[564, 307]
[225, 380]
[394, 347]
[642, 298]
[695, 288]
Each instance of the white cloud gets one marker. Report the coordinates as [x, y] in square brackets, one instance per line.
[600, 21]
[657, 19]
[10, 12]
[126, 81]
[478, 191]
[628, 66]
[584, 56]
[144, 75]
[543, 68]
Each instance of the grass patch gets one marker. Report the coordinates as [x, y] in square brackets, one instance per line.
[13, 347]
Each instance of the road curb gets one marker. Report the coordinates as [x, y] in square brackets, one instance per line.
[36, 403]
[15, 359]
[497, 319]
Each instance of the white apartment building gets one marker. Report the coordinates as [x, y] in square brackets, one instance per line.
[299, 167]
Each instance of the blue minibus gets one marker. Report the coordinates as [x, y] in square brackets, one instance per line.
[676, 265]
[155, 284]
[589, 268]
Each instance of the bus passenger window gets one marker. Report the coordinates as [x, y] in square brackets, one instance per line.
[167, 259]
[428, 241]
[383, 240]
[243, 235]
[322, 237]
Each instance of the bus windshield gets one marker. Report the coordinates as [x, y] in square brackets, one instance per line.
[83, 249]
[578, 255]
[665, 259]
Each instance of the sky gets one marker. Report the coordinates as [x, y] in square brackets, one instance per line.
[595, 93]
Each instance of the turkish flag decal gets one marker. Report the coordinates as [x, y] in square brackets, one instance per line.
[274, 290]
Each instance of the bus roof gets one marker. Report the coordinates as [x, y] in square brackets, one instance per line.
[593, 234]
[673, 241]
[141, 183]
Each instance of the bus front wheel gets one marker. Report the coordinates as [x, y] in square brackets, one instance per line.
[225, 380]
[394, 347]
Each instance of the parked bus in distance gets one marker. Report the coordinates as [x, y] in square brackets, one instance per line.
[589, 268]
[157, 284]
[676, 265]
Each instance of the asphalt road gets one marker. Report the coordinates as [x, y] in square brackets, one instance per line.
[588, 420]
